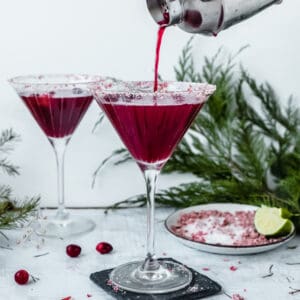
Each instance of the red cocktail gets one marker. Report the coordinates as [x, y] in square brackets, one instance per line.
[151, 132]
[58, 103]
[150, 125]
[58, 113]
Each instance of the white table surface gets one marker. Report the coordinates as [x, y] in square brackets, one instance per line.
[62, 276]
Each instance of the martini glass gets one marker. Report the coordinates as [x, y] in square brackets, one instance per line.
[58, 103]
[151, 125]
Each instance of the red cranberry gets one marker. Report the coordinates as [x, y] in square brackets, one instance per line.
[73, 250]
[104, 248]
[233, 268]
[21, 277]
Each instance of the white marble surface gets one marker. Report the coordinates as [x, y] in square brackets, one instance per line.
[61, 276]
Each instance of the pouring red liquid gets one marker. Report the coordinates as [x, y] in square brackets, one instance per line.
[160, 35]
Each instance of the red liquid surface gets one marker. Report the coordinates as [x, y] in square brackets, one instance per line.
[151, 132]
[160, 35]
[58, 114]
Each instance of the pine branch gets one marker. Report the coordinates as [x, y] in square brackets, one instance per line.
[275, 116]
[185, 70]
[117, 157]
[252, 152]
[8, 167]
[7, 139]
[13, 215]
[196, 193]
[5, 193]
[99, 121]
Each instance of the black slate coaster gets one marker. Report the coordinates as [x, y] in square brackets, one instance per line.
[200, 287]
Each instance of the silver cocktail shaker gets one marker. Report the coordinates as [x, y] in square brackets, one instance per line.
[205, 16]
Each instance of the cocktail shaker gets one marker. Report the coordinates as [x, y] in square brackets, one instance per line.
[207, 17]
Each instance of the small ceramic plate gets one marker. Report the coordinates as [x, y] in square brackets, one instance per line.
[217, 248]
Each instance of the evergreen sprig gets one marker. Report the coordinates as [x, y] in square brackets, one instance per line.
[12, 212]
[244, 146]
[7, 140]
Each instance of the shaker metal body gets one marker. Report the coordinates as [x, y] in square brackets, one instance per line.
[205, 16]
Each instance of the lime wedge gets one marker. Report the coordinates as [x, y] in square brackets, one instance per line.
[284, 213]
[268, 221]
[289, 226]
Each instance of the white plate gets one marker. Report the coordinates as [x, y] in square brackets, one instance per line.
[222, 249]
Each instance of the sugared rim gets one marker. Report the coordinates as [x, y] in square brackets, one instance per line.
[62, 79]
[137, 88]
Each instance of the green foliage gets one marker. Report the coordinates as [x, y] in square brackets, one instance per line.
[12, 212]
[7, 140]
[244, 146]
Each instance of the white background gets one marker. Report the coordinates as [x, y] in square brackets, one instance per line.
[116, 38]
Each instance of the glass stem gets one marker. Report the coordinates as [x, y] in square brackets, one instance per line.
[59, 145]
[150, 264]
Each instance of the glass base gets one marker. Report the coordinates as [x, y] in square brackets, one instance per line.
[168, 278]
[57, 227]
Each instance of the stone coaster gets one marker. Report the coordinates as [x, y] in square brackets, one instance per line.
[200, 287]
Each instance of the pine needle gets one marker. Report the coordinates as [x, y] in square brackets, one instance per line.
[13, 213]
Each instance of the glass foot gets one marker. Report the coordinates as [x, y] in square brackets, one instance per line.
[169, 277]
[64, 227]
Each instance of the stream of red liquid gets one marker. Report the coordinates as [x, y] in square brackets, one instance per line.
[160, 35]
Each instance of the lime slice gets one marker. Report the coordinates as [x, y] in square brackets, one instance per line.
[289, 226]
[268, 221]
[284, 213]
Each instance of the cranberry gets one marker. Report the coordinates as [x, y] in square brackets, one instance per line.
[233, 268]
[104, 248]
[21, 277]
[73, 250]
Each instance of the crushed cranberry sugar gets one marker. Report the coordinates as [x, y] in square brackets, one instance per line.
[221, 228]
[237, 297]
